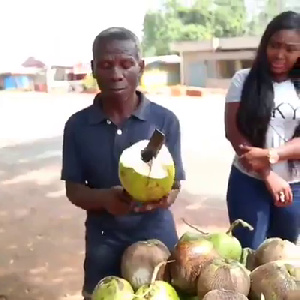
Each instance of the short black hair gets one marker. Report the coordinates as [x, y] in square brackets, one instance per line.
[116, 34]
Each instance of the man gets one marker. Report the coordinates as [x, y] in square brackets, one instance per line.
[93, 141]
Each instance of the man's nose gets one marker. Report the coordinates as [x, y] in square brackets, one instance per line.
[117, 74]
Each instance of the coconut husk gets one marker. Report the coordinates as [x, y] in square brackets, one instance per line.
[222, 274]
[276, 249]
[140, 259]
[189, 258]
[224, 295]
[273, 280]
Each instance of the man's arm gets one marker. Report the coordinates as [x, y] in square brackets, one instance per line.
[73, 173]
[173, 142]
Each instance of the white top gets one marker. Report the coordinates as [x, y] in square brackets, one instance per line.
[285, 118]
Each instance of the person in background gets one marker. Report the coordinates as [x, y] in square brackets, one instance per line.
[93, 141]
[262, 121]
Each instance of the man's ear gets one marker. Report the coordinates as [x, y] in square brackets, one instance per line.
[142, 66]
[141, 70]
[92, 68]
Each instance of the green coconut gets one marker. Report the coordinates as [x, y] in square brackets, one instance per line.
[226, 244]
[157, 290]
[146, 181]
[113, 287]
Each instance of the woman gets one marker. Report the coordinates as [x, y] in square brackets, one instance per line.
[262, 123]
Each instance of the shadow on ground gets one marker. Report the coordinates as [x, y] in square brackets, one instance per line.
[42, 234]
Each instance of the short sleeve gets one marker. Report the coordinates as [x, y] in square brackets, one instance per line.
[236, 86]
[173, 142]
[72, 169]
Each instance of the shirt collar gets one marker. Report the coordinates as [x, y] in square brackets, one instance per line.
[97, 115]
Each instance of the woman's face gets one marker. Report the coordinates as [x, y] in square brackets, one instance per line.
[283, 51]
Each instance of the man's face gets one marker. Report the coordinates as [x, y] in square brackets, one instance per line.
[117, 68]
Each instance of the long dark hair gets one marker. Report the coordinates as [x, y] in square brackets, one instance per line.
[257, 98]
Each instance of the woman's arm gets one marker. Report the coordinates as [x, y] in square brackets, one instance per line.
[232, 104]
[289, 151]
[260, 158]
[232, 133]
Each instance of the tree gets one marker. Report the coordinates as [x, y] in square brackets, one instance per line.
[202, 20]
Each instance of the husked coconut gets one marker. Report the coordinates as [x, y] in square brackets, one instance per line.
[224, 295]
[223, 274]
[146, 181]
[113, 287]
[274, 249]
[140, 259]
[273, 280]
[190, 255]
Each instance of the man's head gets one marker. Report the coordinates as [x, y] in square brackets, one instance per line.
[117, 65]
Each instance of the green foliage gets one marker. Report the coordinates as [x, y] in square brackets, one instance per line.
[202, 20]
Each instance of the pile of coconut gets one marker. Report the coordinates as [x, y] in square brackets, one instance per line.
[206, 267]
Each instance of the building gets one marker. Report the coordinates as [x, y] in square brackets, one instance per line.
[212, 63]
[161, 71]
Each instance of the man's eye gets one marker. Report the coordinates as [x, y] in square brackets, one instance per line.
[127, 64]
[105, 65]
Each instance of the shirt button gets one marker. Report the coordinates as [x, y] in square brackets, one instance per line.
[119, 132]
[108, 121]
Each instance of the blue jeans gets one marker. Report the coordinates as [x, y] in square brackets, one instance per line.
[107, 237]
[249, 199]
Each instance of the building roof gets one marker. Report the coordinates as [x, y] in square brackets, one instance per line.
[168, 59]
[215, 44]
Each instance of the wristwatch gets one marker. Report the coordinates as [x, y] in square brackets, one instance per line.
[273, 156]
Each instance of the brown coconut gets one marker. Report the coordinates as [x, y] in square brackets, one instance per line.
[224, 274]
[274, 280]
[293, 295]
[190, 255]
[224, 295]
[274, 249]
[140, 259]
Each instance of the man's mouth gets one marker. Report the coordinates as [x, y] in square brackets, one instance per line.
[117, 88]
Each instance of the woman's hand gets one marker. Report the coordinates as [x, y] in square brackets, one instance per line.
[279, 188]
[254, 159]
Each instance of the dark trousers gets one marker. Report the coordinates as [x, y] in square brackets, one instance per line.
[249, 199]
[106, 243]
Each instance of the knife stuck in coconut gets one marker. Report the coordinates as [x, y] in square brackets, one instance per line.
[147, 170]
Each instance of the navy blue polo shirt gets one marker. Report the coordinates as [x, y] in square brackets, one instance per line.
[92, 145]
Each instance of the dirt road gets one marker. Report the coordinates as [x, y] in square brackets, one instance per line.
[41, 233]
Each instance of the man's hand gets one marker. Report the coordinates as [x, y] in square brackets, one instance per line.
[254, 159]
[279, 188]
[118, 202]
[164, 202]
